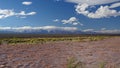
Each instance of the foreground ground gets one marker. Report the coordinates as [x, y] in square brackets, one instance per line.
[57, 54]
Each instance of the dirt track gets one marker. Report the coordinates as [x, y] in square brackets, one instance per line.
[56, 54]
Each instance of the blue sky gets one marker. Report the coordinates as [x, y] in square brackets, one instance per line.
[86, 15]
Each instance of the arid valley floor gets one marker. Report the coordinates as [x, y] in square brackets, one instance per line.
[56, 54]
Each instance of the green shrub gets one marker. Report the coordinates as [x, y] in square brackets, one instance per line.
[102, 65]
[72, 63]
[0, 42]
[15, 40]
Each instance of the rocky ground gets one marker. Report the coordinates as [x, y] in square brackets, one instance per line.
[57, 54]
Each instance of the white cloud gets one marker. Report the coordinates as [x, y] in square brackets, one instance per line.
[5, 28]
[88, 30]
[101, 12]
[59, 28]
[92, 2]
[4, 13]
[31, 13]
[22, 13]
[115, 5]
[48, 28]
[56, 20]
[75, 23]
[115, 31]
[103, 28]
[84, 6]
[72, 20]
[26, 3]
[81, 9]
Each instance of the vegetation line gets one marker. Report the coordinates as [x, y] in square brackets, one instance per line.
[44, 40]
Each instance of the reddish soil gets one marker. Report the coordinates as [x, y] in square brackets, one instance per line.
[56, 54]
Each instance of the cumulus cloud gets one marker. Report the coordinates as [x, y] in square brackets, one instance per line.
[48, 28]
[72, 20]
[115, 5]
[56, 20]
[26, 3]
[81, 9]
[4, 13]
[93, 2]
[106, 11]
[101, 12]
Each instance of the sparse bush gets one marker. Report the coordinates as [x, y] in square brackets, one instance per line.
[73, 63]
[3, 42]
[0, 42]
[44, 40]
[102, 65]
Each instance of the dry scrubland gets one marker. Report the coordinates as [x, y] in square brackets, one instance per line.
[62, 52]
[16, 40]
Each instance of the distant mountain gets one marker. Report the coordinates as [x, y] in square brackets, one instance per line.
[46, 32]
[56, 31]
